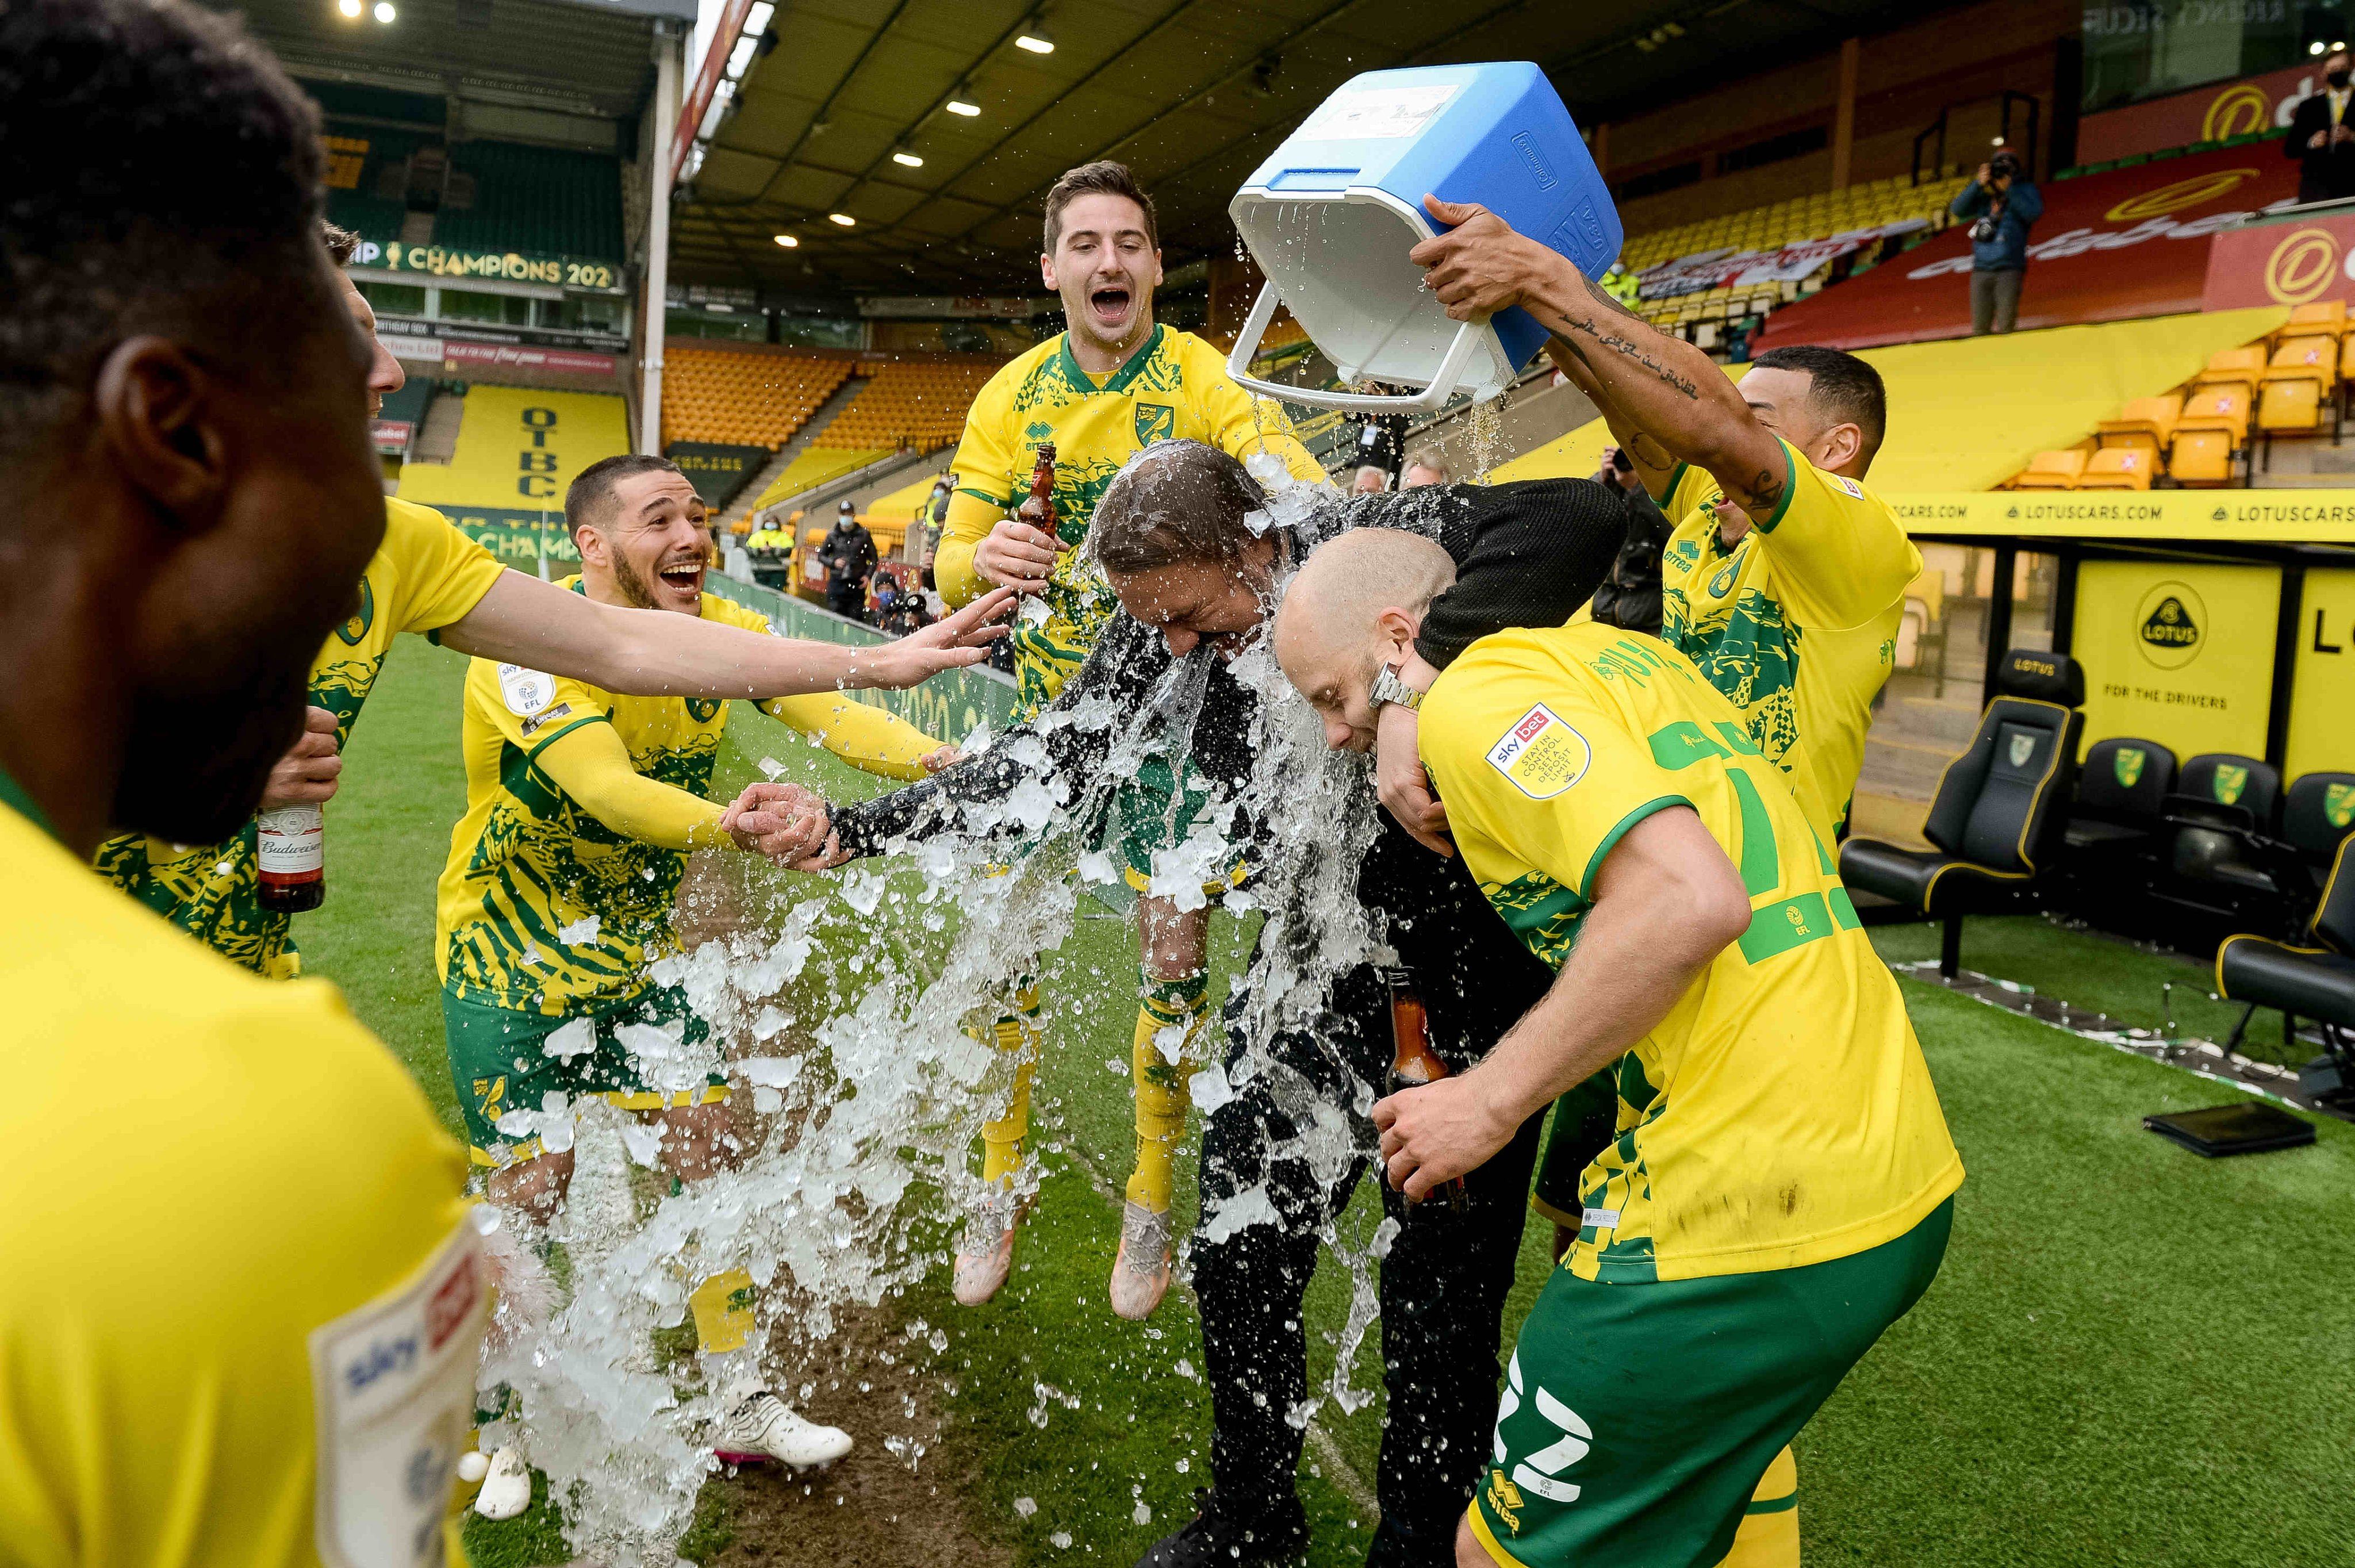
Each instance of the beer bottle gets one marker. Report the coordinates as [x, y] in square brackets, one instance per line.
[292, 845]
[1039, 510]
[1413, 1062]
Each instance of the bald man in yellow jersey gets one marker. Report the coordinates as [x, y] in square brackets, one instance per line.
[1780, 1188]
[1111, 384]
[240, 1296]
[561, 885]
[429, 578]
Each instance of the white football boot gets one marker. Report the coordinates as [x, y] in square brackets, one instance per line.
[1140, 1273]
[506, 1486]
[760, 1429]
[986, 1256]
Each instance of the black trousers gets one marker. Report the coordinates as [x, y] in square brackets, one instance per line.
[1446, 1274]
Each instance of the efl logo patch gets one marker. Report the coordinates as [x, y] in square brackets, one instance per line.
[1542, 754]
[1850, 486]
[527, 691]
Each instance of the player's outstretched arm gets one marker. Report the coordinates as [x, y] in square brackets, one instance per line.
[1660, 385]
[649, 653]
[1666, 903]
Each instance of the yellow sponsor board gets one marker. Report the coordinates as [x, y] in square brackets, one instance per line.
[2177, 652]
[2322, 697]
[2260, 517]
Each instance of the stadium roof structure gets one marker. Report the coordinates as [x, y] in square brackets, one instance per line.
[587, 58]
[840, 94]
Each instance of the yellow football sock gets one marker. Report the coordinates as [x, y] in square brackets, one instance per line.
[1162, 1100]
[723, 1312]
[1017, 1031]
[1769, 1536]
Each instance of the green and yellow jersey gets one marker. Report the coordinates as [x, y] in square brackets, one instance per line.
[581, 806]
[1175, 386]
[241, 1304]
[1782, 1114]
[1797, 623]
[424, 576]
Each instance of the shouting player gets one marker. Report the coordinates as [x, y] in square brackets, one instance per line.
[429, 578]
[1113, 382]
[563, 877]
[1781, 1187]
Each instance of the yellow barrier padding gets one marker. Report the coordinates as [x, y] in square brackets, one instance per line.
[2266, 517]
[814, 467]
[519, 448]
[1967, 413]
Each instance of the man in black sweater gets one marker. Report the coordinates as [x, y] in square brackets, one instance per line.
[1194, 548]
[2320, 138]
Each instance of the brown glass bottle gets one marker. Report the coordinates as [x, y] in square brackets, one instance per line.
[290, 845]
[1413, 1062]
[1039, 509]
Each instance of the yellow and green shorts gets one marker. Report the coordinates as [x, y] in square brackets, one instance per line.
[1155, 811]
[1638, 1419]
[498, 1064]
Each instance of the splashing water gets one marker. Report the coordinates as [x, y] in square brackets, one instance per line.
[851, 1017]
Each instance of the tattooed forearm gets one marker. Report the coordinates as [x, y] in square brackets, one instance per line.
[1608, 337]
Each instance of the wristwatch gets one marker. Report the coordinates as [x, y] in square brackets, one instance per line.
[1389, 687]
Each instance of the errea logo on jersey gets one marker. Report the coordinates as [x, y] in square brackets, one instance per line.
[1542, 754]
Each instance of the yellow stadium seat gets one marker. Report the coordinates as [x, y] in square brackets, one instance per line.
[2326, 318]
[2224, 408]
[2296, 386]
[2143, 424]
[2232, 368]
[2118, 468]
[2051, 471]
[2201, 457]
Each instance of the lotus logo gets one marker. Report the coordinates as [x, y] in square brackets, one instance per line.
[2338, 803]
[2126, 763]
[2231, 783]
[2169, 625]
[2022, 748]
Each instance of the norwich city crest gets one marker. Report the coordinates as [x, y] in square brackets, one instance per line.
[353, 630]
[2338, 803]
[2170, 624]
[1155, 421]
[2231, 782]
[2022, 748]
[2126, 763]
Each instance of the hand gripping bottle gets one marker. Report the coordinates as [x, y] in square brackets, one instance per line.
[1413, 1062]
[292, 845]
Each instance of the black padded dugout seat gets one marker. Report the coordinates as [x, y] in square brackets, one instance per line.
[2221, 803]
[2313, 978]
[1999, 808]
[2317, 814]
[2122, 790]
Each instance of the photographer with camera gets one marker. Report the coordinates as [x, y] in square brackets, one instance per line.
[1999, 205]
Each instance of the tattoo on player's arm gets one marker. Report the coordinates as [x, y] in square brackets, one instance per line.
[1766, 492]
[1608, 338]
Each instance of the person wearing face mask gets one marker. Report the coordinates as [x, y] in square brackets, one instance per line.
[849, 552]
[1110, 385]
[2320, 138]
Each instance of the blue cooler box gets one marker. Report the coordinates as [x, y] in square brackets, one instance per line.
[1331, 217]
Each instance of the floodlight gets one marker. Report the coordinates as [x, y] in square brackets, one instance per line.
[352, 8]
[1034, 38]
[788, 241]
[384, 11]
[959, 106]
[842, 218]
[2315, 48]
[906, 159]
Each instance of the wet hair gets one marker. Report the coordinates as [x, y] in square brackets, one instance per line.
[342, 243]
[1433, 464]
[1843, 387]
[162, 175]
[1175, 501]
[1102, 179]
[593, 487]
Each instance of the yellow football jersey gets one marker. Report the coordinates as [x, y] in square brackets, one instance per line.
[1175, 386]
[1797, 624]
[424, 576]
[240, 1299]
[544, 908]
[1781, 1114]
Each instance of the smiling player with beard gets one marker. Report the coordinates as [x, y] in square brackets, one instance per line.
[1112, 384]
[581, 808]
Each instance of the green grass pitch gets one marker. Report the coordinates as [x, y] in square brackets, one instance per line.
[2131, 1356]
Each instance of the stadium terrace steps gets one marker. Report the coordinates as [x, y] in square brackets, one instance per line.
[517, 450]
[437, 433]
[786, 476]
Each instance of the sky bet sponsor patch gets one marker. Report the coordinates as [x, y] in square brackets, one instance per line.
[1543, 755]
